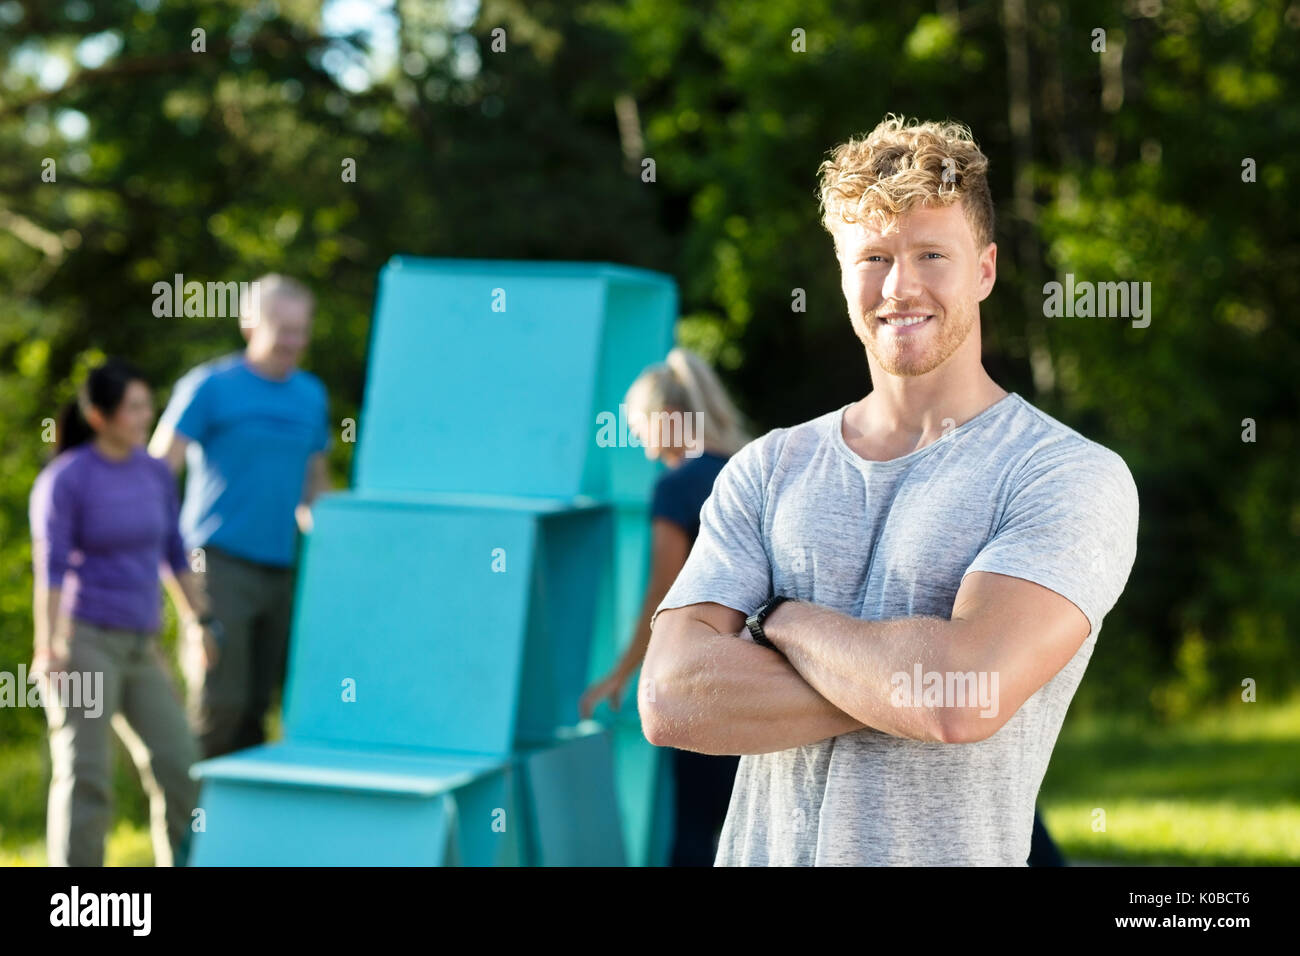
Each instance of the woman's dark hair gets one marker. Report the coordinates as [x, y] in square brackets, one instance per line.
[103, 389]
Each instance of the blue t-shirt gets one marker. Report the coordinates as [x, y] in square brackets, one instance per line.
[250, 440]
[680, 492]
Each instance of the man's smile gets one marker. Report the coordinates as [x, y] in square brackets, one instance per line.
[904, 321]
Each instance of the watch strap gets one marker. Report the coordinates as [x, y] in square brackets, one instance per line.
[754, 623]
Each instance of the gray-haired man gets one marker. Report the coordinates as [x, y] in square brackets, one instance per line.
[253, 431]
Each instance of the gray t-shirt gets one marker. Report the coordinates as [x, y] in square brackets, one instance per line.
[797, 512]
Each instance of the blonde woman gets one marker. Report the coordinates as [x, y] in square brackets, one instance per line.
[682, 415]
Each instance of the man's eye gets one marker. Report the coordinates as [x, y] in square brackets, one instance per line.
[937, 254]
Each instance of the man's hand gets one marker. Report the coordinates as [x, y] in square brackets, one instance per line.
[169, 445]
[702, 689]
[200, 649]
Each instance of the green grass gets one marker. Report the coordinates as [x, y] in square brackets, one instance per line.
[24, 784]
[128, 844]
[1221, 790]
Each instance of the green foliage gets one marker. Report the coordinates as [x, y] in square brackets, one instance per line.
[225, 164]
[1217, 789]
[1145, 187]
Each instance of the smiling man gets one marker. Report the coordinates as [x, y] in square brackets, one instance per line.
[939, 530]
[252, 431]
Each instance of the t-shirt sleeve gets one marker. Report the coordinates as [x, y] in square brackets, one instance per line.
[729, 562]
[1070, 525]
[188, 411]
[53, 516]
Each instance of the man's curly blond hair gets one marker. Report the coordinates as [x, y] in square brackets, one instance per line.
[901, 165]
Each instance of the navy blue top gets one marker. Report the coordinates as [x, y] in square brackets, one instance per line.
[680, 492]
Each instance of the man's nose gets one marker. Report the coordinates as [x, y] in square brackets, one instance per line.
[901, 282]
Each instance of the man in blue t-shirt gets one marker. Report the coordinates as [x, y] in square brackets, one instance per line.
[252, 430]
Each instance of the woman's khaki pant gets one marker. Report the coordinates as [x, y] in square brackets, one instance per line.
[123, 680]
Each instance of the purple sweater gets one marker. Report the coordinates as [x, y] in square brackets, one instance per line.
[101, 530]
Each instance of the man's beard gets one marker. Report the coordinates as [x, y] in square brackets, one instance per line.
[948, 331]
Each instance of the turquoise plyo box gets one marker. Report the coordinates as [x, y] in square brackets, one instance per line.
[570, 792]
[476, 644]
[644, 773]
[286, 804]
[463, 398]
[449, 607]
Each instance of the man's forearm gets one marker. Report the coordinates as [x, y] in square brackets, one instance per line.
[853, 663]
[726, 695]
[318, 479]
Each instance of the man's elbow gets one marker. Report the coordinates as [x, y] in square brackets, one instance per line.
[653, 693]
[655, 723]
[653, 729]
[963, 725]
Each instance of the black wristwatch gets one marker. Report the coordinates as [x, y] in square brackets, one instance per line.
[213, 624]
[755, 621]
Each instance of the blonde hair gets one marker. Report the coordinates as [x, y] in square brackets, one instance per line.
[685, 382]
[901, 165]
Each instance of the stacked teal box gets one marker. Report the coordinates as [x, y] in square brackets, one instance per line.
[452, 607]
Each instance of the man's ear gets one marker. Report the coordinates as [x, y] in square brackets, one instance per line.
[94, 418]
[988, 265]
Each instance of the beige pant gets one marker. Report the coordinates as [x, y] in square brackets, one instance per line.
[123, 681]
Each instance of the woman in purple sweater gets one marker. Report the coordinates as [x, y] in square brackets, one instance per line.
[104, 529]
